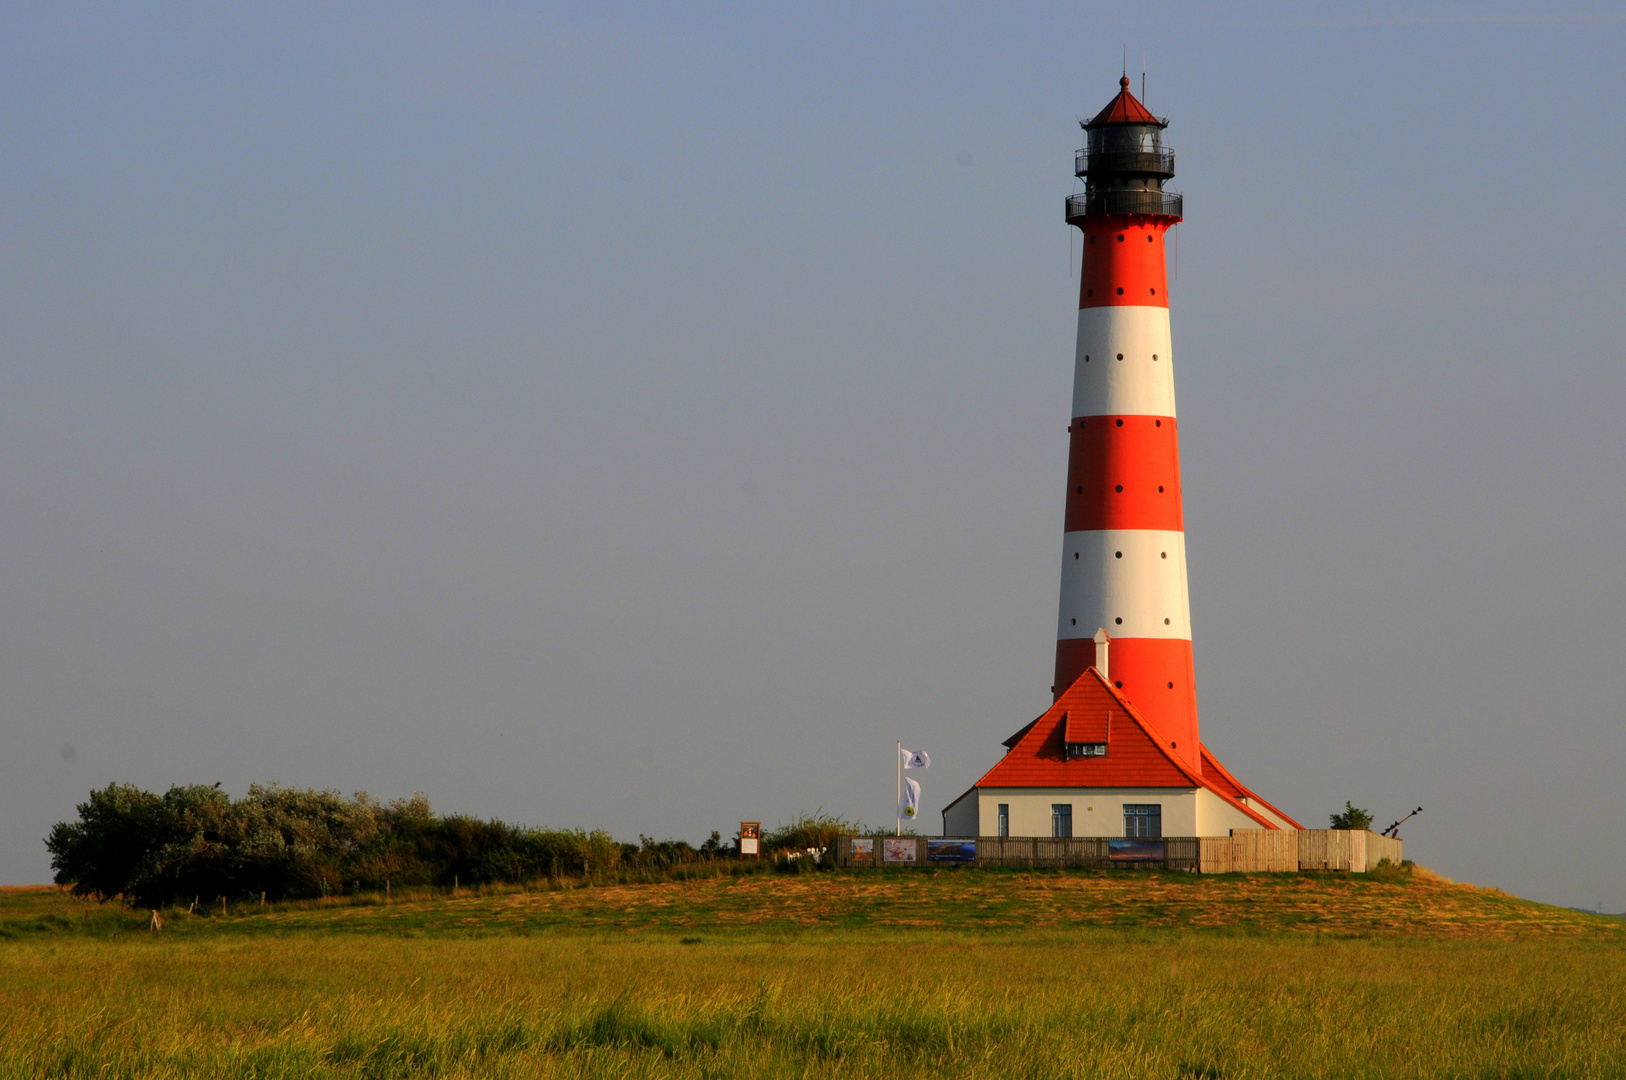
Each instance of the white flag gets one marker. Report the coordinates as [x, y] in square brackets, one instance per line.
[916, 759]
[911, 796]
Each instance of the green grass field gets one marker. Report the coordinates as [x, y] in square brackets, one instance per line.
[929, 973]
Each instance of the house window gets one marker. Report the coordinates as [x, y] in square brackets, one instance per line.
[1086, 749]
[1004, 819]
[1143, 820]
[1061, 819]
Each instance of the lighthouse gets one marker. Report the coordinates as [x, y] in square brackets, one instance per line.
[1124, 550]
[1119, 752]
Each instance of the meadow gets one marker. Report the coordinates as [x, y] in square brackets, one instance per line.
[974, 973]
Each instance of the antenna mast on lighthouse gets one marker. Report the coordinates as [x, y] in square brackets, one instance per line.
[1124, 552]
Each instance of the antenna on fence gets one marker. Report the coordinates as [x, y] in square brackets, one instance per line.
[1394, 830]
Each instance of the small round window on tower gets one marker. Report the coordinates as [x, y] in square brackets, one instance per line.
[1119, 684]
[1120, 238]
[1120, 290]
[1120, 487]
[1165, 623]
[1118, 555]
[1120, 423]
[1119, 620]
[1171, 686]
[1120, 356]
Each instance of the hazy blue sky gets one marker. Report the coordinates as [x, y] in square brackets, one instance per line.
[640, 417]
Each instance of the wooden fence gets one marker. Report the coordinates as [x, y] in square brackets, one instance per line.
[1379, 848]
[1164, 853]
[1245, 851]
[1248, 851]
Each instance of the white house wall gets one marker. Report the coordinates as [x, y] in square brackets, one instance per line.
[1216, 817]
[1096, 811]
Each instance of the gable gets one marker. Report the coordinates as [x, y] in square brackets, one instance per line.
[1088, 712]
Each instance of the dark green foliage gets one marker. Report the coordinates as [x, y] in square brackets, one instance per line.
[1352, 817]
[196, 841]
[119, 831]
[662, 853]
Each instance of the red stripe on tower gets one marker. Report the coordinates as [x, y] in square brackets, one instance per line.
[1124, 556]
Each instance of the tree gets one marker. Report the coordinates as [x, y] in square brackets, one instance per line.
[1353, 817]
[113, 844]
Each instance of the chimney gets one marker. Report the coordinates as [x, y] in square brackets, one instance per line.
[1101, 642]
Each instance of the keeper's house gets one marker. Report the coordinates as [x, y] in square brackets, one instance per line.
[1092, 766]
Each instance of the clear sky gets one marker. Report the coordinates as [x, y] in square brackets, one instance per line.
[641, 417]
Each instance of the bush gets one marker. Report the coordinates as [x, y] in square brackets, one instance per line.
[1352, 817]
[195, 841]
[817, 831]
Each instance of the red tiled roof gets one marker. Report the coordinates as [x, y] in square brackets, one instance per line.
[1091, 710]
[1219, 779]
[1124, 109]
[1135, 757]
[1083, 726]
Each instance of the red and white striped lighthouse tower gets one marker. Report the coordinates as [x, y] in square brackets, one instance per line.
[1117, 754]
[1124, 556]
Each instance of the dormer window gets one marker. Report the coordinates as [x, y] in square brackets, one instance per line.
[1086, 749]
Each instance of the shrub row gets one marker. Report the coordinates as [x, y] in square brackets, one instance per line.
[196, 841]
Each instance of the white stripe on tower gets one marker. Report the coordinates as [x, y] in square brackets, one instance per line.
[1124, 363]
[1130, 581]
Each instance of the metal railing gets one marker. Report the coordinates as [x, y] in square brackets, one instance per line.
[1152, 162]
[1124, 201]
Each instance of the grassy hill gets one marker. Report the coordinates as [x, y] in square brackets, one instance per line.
[987, 973]
[1408, 902]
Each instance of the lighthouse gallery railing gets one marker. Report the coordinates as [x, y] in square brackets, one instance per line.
[1125, 201]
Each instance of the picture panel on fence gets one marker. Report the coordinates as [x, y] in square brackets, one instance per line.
[951, 851]
[898, 851]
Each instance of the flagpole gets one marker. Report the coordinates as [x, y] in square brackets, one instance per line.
[900, 789]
